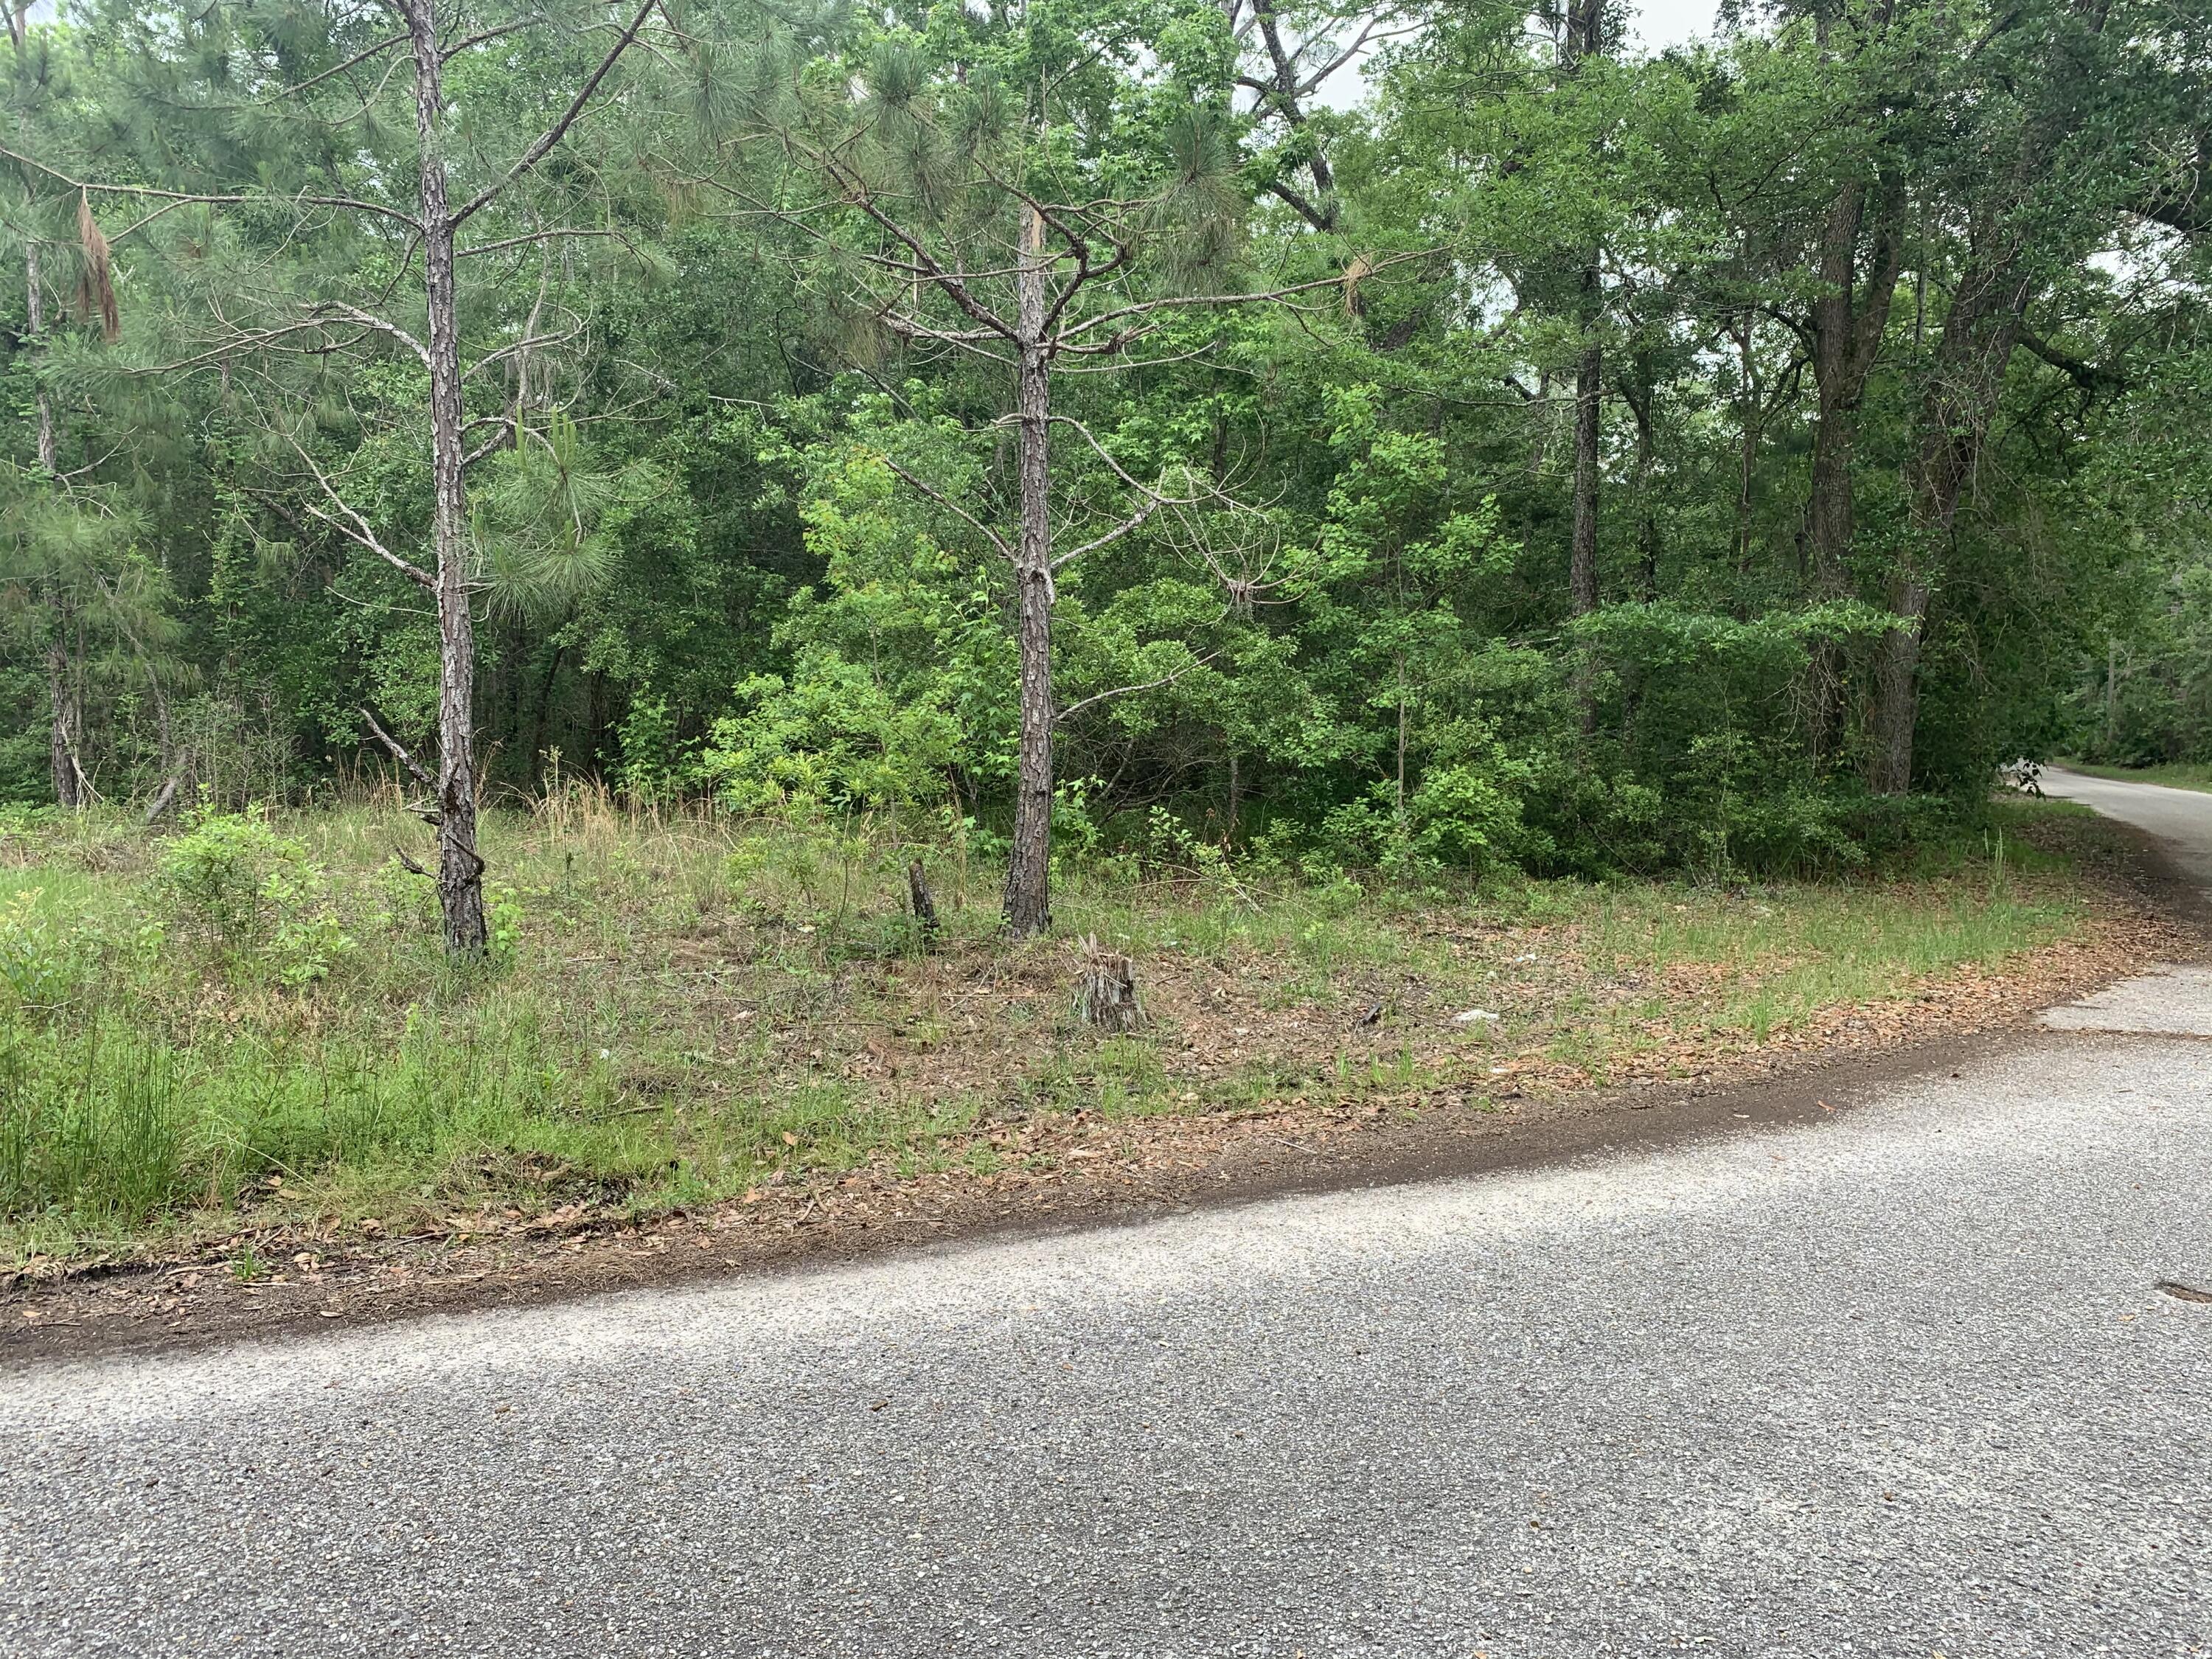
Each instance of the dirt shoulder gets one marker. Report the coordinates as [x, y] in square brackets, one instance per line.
[1059, 1169]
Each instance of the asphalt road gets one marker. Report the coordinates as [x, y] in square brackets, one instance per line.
[2181, 818]
[1898, 1383]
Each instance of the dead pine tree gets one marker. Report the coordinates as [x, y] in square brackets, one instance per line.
[439, 195]
[950, 212]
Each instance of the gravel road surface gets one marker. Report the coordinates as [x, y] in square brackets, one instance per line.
[1901, 1382]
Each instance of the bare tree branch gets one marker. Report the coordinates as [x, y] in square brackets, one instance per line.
[1077, 708]
[543, 145]
[491, 446]
[180, 198]
[351, 524]
[250, 340]
[556, 233]
[414, 766]
[360, 57]
[1122, 473]
[1144, 308]
[989, 534]
[1152, 498]
[953, 283]
[517, 348]
[376, 324]
[1304, 208]
[447, 54]
[1129, 526]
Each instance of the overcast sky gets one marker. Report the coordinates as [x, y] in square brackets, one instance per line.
[1669, 22]
[1658, 24]
[1661, 22]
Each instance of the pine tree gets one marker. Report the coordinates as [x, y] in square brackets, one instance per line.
[972, 217]
[328, 141]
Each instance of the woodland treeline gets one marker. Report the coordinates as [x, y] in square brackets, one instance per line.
[1426, 436]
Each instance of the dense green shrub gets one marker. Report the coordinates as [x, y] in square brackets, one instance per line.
[233, 889]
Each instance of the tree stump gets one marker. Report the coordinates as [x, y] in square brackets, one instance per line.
[925, 906]
[1106, 990]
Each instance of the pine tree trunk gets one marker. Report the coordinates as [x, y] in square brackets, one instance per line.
[61, 684]
[460, 870]
[34, 330]
[1028, 906]
[61, 691]
[1581, 564]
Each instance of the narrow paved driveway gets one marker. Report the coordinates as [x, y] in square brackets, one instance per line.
[1898, 1383]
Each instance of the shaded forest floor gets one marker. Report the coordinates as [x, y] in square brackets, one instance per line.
[712, 1045]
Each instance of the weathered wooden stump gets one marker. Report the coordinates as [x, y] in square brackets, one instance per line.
[1106, 990]
[924, 906]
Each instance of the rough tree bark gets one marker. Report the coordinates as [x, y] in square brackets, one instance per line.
[34, 332]
[1028, 906]
[1106, 990]
[1582, 560]
[1847, 324]
[1584, 39]
[1979, 334]
[924, 903]
[61, 693]
[460, 870]
[1986, 322]
[1642, 395]
[61, 689]
[1848, 320]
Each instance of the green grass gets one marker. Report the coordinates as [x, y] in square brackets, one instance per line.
[2174, 775]
[687, 1008]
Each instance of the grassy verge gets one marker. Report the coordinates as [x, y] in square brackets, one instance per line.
[200, 1031]
[2174, 775]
